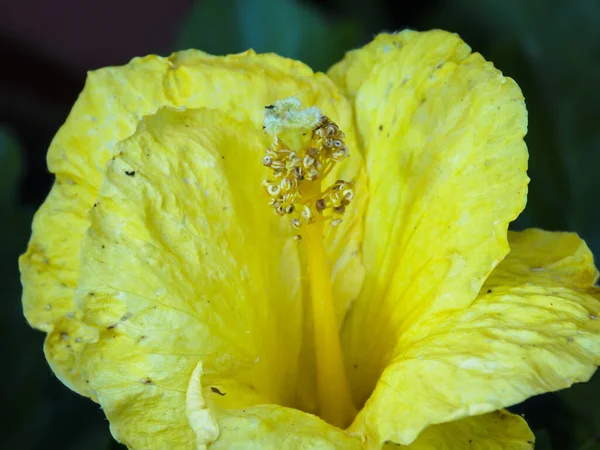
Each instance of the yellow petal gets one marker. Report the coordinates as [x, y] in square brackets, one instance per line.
[546, 259]
[261, 426]
[114, 100]
[275, 427]
[536, 333]
[499, 430]
[442, 132]
[185, 263]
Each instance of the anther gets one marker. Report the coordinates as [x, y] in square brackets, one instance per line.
[267, 161]
[277, 164]
[285, 185]
[308, 161]
[273, 189]
[340, 154]
[320, 205]
[331, 130]
[307, 214]
[313, 174]
[298, 172]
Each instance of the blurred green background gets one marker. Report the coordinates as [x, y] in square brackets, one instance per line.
[551, 47]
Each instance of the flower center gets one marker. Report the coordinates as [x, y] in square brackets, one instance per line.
[306, 146]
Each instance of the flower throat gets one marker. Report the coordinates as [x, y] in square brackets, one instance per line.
[306, 147]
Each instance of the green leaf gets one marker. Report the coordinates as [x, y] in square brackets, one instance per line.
[582, 403]
[542, 440]
[286, 27]
[20, 384]
[10, 168]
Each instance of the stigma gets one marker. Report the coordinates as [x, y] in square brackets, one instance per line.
[306, 146]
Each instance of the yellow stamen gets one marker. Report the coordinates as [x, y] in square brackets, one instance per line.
[335, 402]
[306, 146]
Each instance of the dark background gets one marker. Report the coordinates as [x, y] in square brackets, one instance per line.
[551, 47]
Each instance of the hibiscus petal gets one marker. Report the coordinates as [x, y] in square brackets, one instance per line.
[273, 427]
[442, 132]
[113, 102]
[534, 328]
[185, 263]
[499, 430]
[261, 426]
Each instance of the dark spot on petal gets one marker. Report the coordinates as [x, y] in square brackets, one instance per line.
[111, 326]
[270, 107]
[216, 390]
[356, 366]
[380, 127]
[489, 291]
[95, 204]
[130, 173]
[147, 380]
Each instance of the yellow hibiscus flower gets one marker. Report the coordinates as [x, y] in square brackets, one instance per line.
[174, 297]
